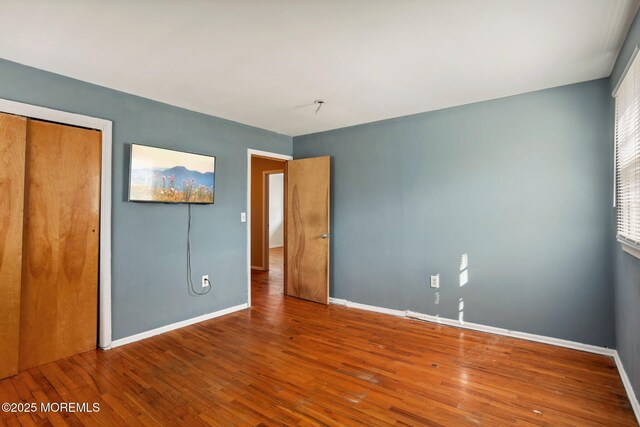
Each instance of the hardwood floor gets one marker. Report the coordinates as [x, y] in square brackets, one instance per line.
[287, 361]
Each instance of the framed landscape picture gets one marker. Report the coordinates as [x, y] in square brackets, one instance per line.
[169, 176]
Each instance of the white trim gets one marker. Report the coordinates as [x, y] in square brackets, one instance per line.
[252, 152]
[275, 246]
[627, 386]
[514, 334]
[106, 128]
[615, 165]
[629, 248]
[636, 49]
[351, 304]
[177, 325]
[477, 327]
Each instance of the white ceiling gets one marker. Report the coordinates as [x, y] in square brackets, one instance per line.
[263, 63]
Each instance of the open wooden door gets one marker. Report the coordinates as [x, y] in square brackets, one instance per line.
[307, 229]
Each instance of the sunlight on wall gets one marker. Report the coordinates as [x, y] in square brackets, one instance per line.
[464, 262]
[464, 270]
[463, 279]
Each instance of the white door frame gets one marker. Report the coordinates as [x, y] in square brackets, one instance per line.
[106, 127]
[252, 152]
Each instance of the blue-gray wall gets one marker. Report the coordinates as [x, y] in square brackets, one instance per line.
[627, 267]
[520, 184]
[149, 240]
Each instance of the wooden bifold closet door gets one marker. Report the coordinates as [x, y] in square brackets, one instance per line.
[13, 130]
[60, 209]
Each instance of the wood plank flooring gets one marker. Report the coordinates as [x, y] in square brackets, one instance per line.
[291, 362]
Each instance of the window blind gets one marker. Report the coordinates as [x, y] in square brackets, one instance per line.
[627, 145]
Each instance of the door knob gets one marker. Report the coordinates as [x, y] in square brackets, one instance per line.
[324, 235]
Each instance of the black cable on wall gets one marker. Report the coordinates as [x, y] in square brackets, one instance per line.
[189, 279]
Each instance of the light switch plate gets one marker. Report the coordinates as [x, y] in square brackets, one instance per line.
[243, 217]
[435, 281]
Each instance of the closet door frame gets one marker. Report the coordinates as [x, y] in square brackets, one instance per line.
[106, 128]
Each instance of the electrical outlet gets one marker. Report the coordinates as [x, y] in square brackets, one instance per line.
[205, 281]
[435, 281]
[243, 217]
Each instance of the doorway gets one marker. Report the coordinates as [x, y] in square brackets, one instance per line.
[275, 210]
[301, 269]
[266, 224]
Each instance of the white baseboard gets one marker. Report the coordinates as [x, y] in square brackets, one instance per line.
[276, 246]
[627, 386]
[351, 304]
[177, 325]
[515, 334]
[338, 301]
[477, 327]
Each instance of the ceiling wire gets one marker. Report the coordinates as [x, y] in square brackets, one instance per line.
[320, 103]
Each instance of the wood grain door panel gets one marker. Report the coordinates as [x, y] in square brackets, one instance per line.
[307, 214]
[59, 303]
[13, 130]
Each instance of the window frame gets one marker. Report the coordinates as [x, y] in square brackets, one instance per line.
[627, 244]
